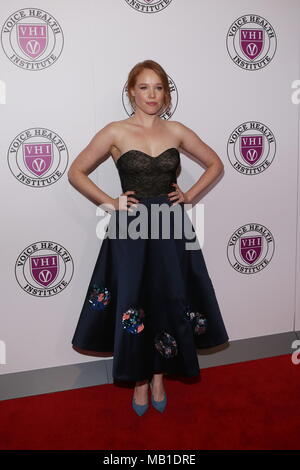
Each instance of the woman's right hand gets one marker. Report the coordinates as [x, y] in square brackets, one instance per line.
[122, 202]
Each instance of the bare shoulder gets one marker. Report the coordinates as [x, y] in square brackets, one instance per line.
[121, 124]
[110, 128]
[181, 131]
[97, 150]
[179, 128]
[193, 144]
[109, 133]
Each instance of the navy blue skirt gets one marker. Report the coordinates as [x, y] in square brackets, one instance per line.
[150, 302]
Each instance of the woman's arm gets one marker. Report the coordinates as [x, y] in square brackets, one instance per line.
[192, 143]
[87, 161]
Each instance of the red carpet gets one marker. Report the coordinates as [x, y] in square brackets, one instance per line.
[249, 405]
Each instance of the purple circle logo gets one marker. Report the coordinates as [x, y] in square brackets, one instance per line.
[251, 42]
[37, 157]
[32, 39]
[44, 269]
[250, 248]
[148, 6]
[251, 148]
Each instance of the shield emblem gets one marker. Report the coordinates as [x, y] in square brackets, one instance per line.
[38, 157]
[250, 248]
[44, 269]
[252, 42]
[251, 147]
[32, 38]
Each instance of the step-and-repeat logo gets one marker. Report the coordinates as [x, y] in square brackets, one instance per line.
[44, 269]
[251, 42]
[32, 39]
[164, 115]
[148, 6]
[250, 248]
[251, 148]
[37, 157]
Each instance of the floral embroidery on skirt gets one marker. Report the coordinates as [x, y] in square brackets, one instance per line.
[99, 297]
[132, 320]
[165, 344]
[199, 320]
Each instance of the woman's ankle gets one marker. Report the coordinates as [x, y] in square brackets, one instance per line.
[157, 378]
[141, 382]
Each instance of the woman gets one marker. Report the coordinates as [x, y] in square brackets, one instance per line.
[148, 293]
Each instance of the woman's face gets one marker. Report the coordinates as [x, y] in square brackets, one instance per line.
[148, 92]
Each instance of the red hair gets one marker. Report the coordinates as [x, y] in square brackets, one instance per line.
[137, 69]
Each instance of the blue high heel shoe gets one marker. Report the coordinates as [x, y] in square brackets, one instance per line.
[159, 405]
[139, 409]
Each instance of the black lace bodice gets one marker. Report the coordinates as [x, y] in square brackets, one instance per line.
[146, 175]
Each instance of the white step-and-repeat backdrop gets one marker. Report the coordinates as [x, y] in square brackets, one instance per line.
[233, 68]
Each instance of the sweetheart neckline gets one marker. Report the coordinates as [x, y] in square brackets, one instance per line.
[147, 155]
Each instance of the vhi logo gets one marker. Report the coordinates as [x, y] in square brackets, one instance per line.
[32, 39]
[37, 157]
[251, 148]
[148, 6]
[250, 248]
[44, 269]
[251, 42]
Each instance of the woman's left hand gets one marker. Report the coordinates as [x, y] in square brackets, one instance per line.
[177, 196]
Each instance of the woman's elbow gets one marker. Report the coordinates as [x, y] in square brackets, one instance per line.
[219, 167]
[71, 172]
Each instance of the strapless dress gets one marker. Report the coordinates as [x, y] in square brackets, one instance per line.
[150, 303]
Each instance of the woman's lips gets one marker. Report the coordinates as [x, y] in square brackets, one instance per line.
[151, 103]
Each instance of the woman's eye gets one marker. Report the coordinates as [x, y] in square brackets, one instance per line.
[143, 87]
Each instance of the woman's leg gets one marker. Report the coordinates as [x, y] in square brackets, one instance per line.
[158, 387]
[141, 389]
[141, 392]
